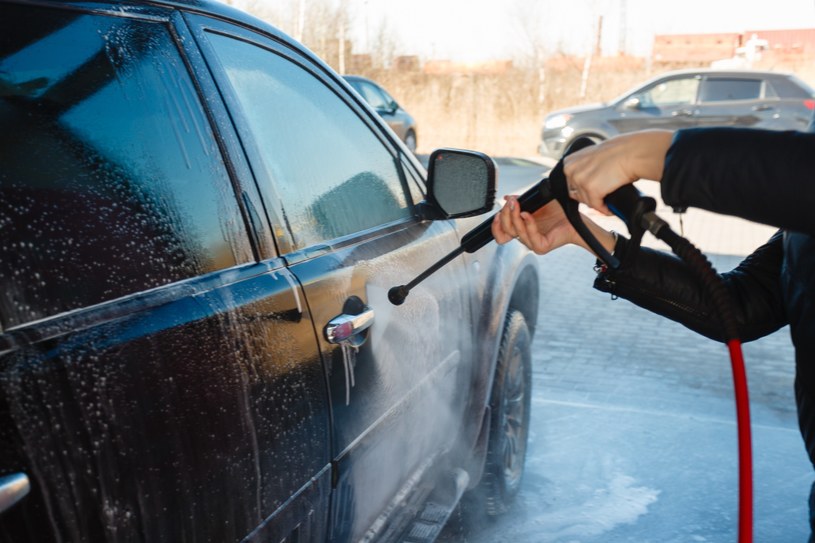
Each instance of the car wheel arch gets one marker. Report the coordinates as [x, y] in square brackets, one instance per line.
[508, 283]
[594, 135]
[519, 292]
[509, 401]
[496, 475]
[411, 140]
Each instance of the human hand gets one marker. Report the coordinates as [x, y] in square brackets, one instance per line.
[544, 230]
[596, 171]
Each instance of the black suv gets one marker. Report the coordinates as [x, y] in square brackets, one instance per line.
[684, 99]
[199, 225]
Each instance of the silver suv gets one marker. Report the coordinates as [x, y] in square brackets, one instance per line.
[685, 99]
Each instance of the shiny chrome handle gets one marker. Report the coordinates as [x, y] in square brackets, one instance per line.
[13, 488]
[344, 327]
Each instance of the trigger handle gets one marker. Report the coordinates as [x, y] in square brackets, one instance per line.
[560, 191]
[572, 212]
[629, 204]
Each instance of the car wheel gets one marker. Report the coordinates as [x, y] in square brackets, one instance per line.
[593, 137]
[509, 424]
[410, 140]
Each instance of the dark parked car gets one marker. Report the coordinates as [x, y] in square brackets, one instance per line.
[688, 98]
[199, 225]
[397, 118]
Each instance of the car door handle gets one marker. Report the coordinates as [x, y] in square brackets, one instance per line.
[682, 113]
[13, 488]
[343, 327]
[762, 107]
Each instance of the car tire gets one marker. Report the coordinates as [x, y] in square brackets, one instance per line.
[510, 404]
[410, 141]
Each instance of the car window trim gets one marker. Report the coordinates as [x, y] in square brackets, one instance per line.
[237, 165]
[66, 322]
[148, 13]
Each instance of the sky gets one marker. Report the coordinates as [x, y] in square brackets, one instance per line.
[474, 30]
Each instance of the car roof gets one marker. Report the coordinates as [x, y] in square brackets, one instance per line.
[721, 72]
[219, 9]
[215, 8]
[734, 73]
[358, 78]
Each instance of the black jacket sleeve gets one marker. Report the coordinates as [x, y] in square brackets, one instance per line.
[759, 175]
[660, 282]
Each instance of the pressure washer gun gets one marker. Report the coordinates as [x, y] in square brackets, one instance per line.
[637, 211]
[627, 202]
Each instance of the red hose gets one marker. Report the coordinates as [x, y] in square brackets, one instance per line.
[745, 442]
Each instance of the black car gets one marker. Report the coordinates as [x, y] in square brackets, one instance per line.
[397, 118]
[684, 99]
[199, 226]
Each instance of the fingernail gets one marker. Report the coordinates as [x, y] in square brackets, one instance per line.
[512, 205]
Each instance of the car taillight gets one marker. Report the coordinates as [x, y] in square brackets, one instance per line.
[809, 103]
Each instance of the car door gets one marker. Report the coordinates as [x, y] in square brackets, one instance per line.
[735, 101]
[794, 102]
[157, 382]
[666, 104]
[344, 217]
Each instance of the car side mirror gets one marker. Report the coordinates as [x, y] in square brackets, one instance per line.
[632, 103]
[387, 109]
[460, 183]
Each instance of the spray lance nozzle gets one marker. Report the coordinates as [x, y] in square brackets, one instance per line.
[397, 294]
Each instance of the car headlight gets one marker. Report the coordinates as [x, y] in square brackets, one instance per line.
[556, 121]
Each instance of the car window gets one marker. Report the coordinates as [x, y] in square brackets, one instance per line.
[671, 92]
[111, 181]
[372, 95]
[332, 174]
[792, 87]
[769, 91]
[391, 103]
[722, 89]
[415, 182]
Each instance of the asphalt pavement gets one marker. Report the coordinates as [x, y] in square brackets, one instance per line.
[633, 433]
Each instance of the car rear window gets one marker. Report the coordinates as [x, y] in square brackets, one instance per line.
[791, 87]
[111, 180]
[721, 90]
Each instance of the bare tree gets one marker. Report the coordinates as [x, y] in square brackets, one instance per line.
[322, 25]
[384, 44]
[528, 17]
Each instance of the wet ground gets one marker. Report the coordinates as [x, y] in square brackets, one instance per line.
[633, 435]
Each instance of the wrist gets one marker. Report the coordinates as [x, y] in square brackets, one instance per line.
[607, 238]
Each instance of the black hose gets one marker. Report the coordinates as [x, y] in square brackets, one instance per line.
[700, 265]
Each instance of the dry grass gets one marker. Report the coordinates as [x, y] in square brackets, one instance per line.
[501, 114]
